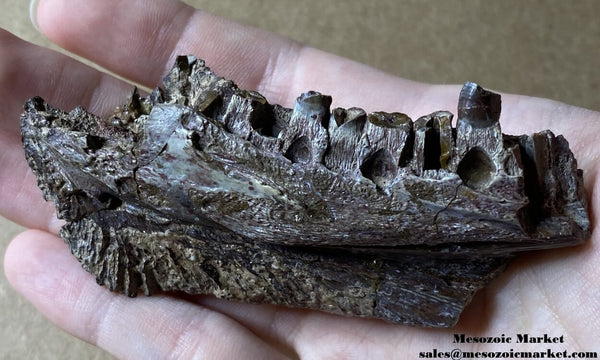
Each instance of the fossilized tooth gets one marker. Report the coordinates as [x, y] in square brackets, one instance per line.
[209, 189]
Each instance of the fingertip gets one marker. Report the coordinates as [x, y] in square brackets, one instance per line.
[15, 264]
[33, 5]
[40, 267]
[58, 20]
[32, 263]
[44, 17]
[12, 262]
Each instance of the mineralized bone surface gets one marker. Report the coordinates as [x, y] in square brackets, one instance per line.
[205, 188]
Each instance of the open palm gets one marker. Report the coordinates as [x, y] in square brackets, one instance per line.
[554, 292]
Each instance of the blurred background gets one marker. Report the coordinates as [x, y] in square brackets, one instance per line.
[540, 48]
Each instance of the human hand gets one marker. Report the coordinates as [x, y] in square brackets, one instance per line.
[552, 292]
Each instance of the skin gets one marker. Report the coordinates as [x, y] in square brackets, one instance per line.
[555, 292]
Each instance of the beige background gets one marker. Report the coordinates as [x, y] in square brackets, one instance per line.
[541, 48]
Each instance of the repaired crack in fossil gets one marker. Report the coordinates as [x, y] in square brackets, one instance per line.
[208, 189]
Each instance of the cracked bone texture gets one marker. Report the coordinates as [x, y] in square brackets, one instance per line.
[206, 188]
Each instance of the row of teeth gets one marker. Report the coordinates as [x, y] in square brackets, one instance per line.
[375, 145]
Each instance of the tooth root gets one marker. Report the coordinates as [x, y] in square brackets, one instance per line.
[418, 162]
[157, 96]
[374, 148]
[248, 113]
[442, 122]
[177, 79]
[383, 142]
[306, 139]
[557, 189]
[345, 130]
[204, 101]
[433, 142]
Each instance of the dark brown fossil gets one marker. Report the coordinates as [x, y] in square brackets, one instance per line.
[206, 188]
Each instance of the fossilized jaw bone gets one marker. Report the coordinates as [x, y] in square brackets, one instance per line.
[207, 188]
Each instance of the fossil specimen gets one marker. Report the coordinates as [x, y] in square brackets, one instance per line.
[206, 188]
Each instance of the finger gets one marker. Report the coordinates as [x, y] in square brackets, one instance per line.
[53, 281]
[25, 71]
[317, 335]
[144, 37]
[39, 266]
[556, 289]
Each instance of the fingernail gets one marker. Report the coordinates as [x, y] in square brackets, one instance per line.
[33, 13]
